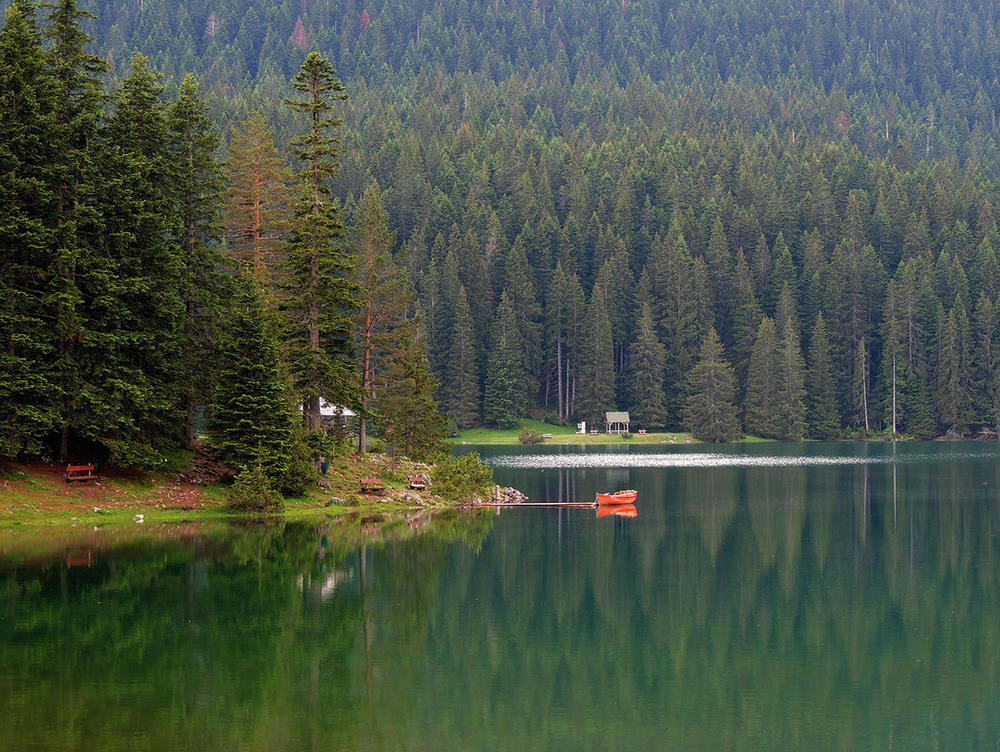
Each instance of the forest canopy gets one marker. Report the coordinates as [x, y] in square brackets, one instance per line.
[586, 196]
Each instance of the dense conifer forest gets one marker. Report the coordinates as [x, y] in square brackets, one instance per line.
[764, 216]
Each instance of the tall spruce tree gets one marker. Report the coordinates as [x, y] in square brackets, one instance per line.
[710, 413]
[520, 286]
[258, 197]
[197, 184]
[250, 419]
[675, 293]
[318, 297]
[762, 417]
[132, 357]
[647, 357]
[74, 136]
[504, 398]
[408, 415]
[460, 394]
[985, 364]
[29, 385]
[821, 397]
[383, 325]
[597, 369]
[790, 403]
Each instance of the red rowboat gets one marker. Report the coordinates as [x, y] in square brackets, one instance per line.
[618, 497]
[618, 510]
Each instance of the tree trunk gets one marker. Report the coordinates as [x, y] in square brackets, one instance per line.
[559, 391]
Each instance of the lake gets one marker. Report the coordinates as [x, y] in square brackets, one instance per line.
[766, 596]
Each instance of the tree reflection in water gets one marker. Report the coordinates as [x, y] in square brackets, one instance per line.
[746, 607]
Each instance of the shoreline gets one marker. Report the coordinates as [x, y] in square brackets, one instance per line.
[36, 495]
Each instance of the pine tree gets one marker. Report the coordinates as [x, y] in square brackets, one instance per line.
[676, 311]
[197, 183]
[763, 382]
[746, 321]
[258, 198]
[460, 394]
[597, 370]
[821, 399]
[250, 420]
[29, 386]
[74, 136]
[710, 413]
[520, 286]
[382, 325]
[647, 357]
[408, 416]
[132, 361]
[985, 364]
[790, 403]
[504, 398]
[318, 297]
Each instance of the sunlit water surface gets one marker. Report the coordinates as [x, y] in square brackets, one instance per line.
[815, 597]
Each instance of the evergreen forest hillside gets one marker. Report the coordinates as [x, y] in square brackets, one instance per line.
[768, 216]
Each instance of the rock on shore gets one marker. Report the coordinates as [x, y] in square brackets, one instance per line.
[508, 496]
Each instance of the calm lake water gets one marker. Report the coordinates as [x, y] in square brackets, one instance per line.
[766, 597]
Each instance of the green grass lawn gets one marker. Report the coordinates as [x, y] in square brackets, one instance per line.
[564, 435]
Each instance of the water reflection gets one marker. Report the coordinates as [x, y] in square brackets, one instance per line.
[831, 606]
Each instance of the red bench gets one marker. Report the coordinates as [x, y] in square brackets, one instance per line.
[371, 485]
[80, 472]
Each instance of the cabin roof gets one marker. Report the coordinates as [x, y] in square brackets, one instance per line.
[617, 417]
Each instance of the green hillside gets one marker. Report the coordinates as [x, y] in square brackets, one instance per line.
[580, 192]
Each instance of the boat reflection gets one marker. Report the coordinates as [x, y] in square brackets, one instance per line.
[617, 510]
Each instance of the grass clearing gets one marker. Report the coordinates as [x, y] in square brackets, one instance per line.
[565, 435]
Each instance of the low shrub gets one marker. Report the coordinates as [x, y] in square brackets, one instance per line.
[252, 492]
[463, 477]
[529, 436]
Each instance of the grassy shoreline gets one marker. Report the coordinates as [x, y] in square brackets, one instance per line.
[564, 435]
[36, 496]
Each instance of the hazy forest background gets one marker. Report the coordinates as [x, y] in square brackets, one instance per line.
[759, 213]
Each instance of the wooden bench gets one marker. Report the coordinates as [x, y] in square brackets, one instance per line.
[371, 485]
[80, 472]
[417, 483]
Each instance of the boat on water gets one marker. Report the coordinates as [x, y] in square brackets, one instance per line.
[617, 510]
[618, 497]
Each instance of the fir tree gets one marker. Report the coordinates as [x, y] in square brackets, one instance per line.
[790, 404]
[597, 371]
[250, 421]
[77, 75]
[710, 413]
[504, 399]
[197, 184]
[460, 395]
[382, 325]
[821, 400]
[408, 416]
[132, 359]
[763, 381]
[318, 297]
[29, 386]
[258, 198]
[647, 357]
